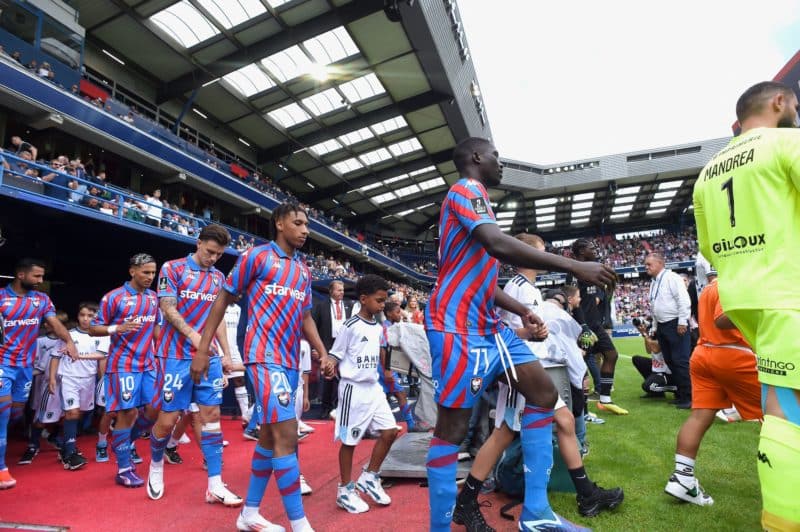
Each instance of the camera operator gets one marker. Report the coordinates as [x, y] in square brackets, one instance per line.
[657, 375]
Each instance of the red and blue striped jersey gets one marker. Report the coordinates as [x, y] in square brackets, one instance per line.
[278, 292]
[195, 289]
[21, 318]
[462, 302]
[132, 351]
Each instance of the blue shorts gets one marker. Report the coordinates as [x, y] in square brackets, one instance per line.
[152, 382]
[16, 382]
[274, 388]
[123, 390]
[178, 389]
[464, 364]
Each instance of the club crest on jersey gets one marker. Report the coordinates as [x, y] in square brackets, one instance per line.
[355, 432]
[479, 206]
[49, 415]
[168, 396]
[35, 302]
[126, 396]
[283, 398]
[475, 384]
[70, 402]
[216, 281]
[162, 283]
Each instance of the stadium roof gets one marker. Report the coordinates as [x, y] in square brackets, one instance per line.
[606, 194]
[354, 106]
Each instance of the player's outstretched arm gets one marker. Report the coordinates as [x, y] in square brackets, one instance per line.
[61, 332]
[517, 253]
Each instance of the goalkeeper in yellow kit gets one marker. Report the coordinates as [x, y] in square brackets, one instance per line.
[747, 208]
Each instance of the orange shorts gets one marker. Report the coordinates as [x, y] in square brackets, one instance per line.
[722, 376]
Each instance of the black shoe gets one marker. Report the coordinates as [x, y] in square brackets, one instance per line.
[74, 462]
[469, 514]
[28, 456]
[599, 500]
[172, 456]
[325, 413]
[683, 405]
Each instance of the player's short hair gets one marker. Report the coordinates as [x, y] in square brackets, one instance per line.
[557, 294]
[370, 283]
[571, 290]
[390, 306]
[26, 264]
[579, 245]
[462, 153]
[215, 232]
[90, 305]
[530, 239]
[140, 259]
[752, 100]
[62, 316]
[334, 283]
[657, 255]
[280, 212]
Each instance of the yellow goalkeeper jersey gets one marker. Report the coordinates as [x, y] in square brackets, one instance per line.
[747, 209]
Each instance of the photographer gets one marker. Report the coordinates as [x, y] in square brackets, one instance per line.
[657, 375]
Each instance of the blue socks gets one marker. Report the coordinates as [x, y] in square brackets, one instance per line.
[405, 411]
[157, 446]
[121, 445]
[287, 474]
[253, 423]
[70, 435]
[211, 444]
[442, 464]
[537, 455]
[261, 470]
[5, 416]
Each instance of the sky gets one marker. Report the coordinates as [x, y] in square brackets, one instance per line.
[569, 80]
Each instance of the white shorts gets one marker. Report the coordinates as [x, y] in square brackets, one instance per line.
[362, 407]
[510, 405]
[47, 405]
[100, 393]
[77, 392]
[236, 358]
[193, 408]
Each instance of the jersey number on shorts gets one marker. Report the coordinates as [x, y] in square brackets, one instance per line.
[127, 383]
[728, 186]
[479, 353]
[172, 380]
[279, 383]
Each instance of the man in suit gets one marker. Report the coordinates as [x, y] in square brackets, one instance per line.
[329, 315]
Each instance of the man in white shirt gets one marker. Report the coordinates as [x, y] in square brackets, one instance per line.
[154, 206]
[671, 309]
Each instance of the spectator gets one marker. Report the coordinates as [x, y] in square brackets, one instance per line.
[20, 146]
[154, 208]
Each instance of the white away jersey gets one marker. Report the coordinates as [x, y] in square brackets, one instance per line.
[305, 357]
[521, 289]
[561, 343]
[232, 315]
[86, 345]
[45, 347]
[358, 349]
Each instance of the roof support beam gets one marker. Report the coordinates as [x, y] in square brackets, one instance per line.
[392, 171]
[402, 107]
[259, 50]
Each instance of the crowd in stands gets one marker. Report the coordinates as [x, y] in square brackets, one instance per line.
[77, 182]
[631, 299]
